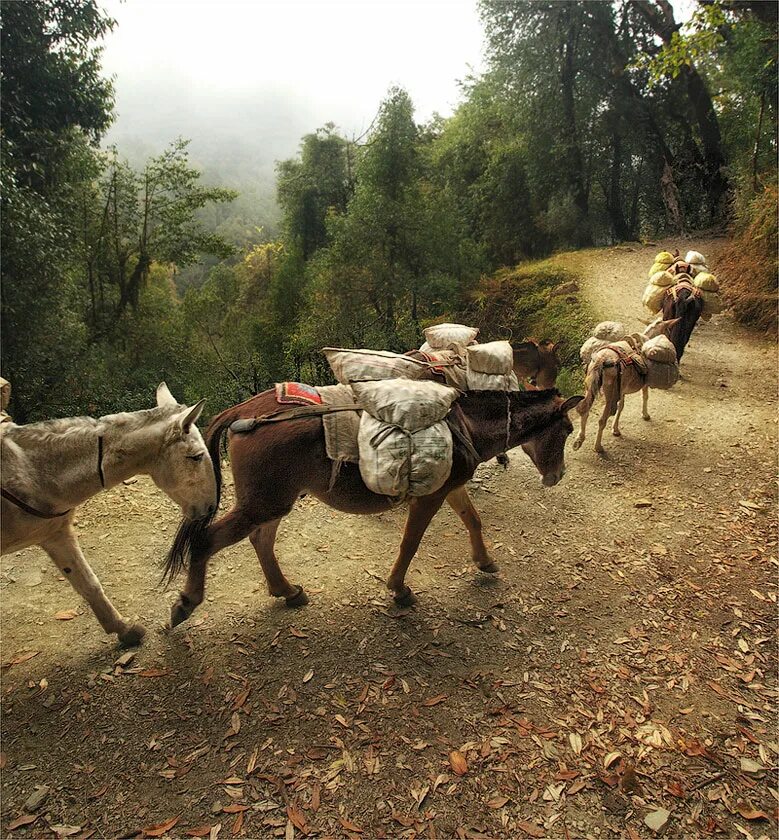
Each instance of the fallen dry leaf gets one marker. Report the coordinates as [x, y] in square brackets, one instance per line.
[308, 675]
[161, 828]
[458, 763]
[350, 826]
[752, 813]
[25, 819]
[434, 701]
[66, 615]
[200, 831]
[154, 672]
[235, 808]
[497, 802]
[19, 658]
[531, 828]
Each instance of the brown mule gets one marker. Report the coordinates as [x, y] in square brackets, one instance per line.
[276, 463]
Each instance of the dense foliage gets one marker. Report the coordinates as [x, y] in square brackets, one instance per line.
[593, 123]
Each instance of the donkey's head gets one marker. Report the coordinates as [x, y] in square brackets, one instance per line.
[537, 362]
[547, 449]
[659, 327]
[183, 467]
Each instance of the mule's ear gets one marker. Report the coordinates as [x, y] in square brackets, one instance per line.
[188, 417]
[670, 324]
[164, 396]
[570, 404]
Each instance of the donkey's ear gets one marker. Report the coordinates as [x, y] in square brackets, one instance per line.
[670, 324]
[570, 403]
[188, 417]
[164, 396]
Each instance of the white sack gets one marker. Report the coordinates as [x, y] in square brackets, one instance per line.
[592, 345]
[695, 257]
[397, 463]
[659, 349]
[365, 365]
[495, 357]
[661, 375]
[476, 381]
[695, 270]
[443, 336]
[404, 402]
[609, 331]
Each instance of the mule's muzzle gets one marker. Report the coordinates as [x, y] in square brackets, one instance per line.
[550, 479]
[197, 512]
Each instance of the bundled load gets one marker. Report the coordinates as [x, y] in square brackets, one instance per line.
[712, 303]
[449, 337]
[663, 261]
[367, 365]
[662, 365]
[490, 367]
[405, 447]
[659, 283]
[697, 262]
[609, 331]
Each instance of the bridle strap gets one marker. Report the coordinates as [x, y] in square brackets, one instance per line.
[15, 500]
[100, 460]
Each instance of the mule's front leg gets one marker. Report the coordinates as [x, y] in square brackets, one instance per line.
[421, 510]
[460, 502]
[65, 551]
[231, 528]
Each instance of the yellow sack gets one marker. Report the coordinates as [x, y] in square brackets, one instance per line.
[712, 304]
[662, 278]
[658, 267]
[664, 258]
[707, 282]
[653, 297]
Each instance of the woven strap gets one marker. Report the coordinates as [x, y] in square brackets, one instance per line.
[249, 424]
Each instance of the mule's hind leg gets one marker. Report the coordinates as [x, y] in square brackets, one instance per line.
[421, 510]
[65, 551]
[645, 403]
[228, 530]
[462, 505]
[278, 586]
[608, 410]
[615, 427]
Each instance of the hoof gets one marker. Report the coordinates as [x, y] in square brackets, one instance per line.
[490, 568]
[299, 599]
[617, 433]
[600, 450]
[646, 417]
[577, 444]
[181, 611]
[406, 598]
[132, 636]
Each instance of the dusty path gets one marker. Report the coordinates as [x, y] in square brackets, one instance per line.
[622, 662]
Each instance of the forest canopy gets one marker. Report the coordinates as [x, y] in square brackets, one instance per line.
[593, 123]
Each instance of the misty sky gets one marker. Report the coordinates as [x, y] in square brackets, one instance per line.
[283, 67]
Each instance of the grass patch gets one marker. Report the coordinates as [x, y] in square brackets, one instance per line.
[534, 300]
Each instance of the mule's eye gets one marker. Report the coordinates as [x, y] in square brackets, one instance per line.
[198, 457]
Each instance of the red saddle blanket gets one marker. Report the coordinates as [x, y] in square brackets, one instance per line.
[297, 393]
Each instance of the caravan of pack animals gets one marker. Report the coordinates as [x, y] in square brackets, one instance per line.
[397, 428]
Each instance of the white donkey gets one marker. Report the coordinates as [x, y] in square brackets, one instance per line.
[51, 467]
[613, 370]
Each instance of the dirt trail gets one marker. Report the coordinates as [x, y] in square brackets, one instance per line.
[621, 665]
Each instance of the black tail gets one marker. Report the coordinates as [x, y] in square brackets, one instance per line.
[192, 533]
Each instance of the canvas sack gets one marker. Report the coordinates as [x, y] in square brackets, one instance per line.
[368, 365]
[609, 331]
[444, 336]
[405, 449]
[653, 298]
[661, 375]
[659, 349]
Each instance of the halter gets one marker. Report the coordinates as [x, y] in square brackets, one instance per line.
[22, 505]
